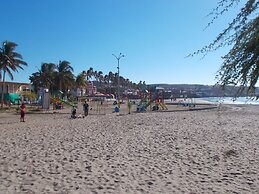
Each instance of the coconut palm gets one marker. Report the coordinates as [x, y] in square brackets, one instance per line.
[100, 76]
[10, 61]
[81, 81]
[43, 77]
[47, 75]
[64, 76]
[110, 77]
[115, 80]
[89, 73]
[106, 79]
[35, 79]
[95, 74]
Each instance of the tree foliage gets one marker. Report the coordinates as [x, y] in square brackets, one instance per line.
[10, 61]
[241, 64]
[53, 76]
[29, 95]
[64, 75]
[60, 77]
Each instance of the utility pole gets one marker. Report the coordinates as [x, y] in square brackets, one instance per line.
[118, 67]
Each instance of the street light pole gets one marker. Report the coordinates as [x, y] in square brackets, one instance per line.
[118, 67]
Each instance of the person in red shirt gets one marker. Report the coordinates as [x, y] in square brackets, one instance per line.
[22, 108]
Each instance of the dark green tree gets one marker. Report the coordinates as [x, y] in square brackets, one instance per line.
[64, 75]
[10, 61]
[111, 77]
[89, 73]
[36, 81]
[47, 75]
[53, 76]
[81, 81]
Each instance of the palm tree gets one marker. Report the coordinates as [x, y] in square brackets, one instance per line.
[64, 75]
[81, 82]
[110, 77]
[115, 81]
[10, 61]
[140, 85]
[47, 75]
[89, 73]
[127, 83]
[100, 79]
[100, 76]
[95, 74]
[44, 77]
[35, 79]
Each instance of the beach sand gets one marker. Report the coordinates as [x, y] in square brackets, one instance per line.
[203, 151]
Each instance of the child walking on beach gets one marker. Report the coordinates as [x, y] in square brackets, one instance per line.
[22, 108]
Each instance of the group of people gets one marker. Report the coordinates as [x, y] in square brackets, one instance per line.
[73, 112]
[85, 109]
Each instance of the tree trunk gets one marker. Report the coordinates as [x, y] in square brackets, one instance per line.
[3, 86]
[60, 85]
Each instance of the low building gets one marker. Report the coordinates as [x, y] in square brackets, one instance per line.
[91, 89]
[12, 91]
[14, 87]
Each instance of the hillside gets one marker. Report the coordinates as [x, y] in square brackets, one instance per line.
[197, 90]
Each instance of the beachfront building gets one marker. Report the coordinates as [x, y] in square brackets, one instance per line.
[14, 87]
[12, 90]
[90, 89]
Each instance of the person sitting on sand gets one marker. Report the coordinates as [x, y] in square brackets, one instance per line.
[22, 108]
[73, 112]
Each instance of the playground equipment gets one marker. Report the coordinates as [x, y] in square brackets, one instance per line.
[57, 103]
[144, 102]
[45, 100]
[159, 105]
[159, 96]
[12, 97]
[148, 100]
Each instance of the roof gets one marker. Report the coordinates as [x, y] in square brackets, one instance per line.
[16, 83]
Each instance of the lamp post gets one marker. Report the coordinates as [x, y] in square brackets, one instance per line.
[118, 67]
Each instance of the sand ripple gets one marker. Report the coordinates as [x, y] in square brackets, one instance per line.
[176, 152]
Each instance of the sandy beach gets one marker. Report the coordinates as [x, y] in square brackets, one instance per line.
[203, 151]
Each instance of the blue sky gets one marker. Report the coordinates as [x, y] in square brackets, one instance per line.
[154, 35]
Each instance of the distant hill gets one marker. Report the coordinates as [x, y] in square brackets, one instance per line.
[197, 90]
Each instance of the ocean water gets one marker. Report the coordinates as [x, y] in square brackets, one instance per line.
[230, 100]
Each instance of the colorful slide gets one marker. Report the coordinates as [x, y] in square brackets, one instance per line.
[160, 103]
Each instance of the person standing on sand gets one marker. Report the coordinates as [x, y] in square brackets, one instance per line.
[22, 108]
[86, 108]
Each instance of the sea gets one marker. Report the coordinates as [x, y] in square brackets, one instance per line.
[231, 100]
[217, 100]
